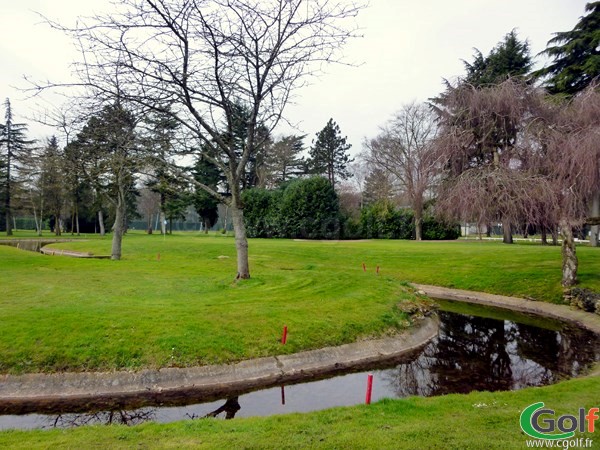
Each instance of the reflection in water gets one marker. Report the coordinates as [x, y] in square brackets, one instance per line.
[476, 353]
[230, 408]
[119, 417]
[470, 353]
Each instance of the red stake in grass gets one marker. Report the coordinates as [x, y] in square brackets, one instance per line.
[364, 267]
[284, 337]
[369, 389]
[377, 270]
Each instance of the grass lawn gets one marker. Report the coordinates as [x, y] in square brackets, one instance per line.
[476, 421]
[63, 313]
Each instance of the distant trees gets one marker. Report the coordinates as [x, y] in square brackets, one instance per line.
[108, 153]
[15, 148]
[284, 163]
[329, 154]
[575, 55]
[51, 183]
[403, 149]
[206, 173]
[379, 186]
[510, 58]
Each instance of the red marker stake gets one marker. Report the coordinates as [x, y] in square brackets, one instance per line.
[369, 389]
[364, 267]
[377, 270]
[284, 337]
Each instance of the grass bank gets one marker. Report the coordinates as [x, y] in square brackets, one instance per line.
[476, 421]
[64, 313]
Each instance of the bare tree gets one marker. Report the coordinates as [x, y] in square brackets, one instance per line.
[149, 206]
[195, 60]
[403, 149]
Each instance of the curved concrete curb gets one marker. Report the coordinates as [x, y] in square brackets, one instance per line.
[584, 319]
[71, 253]
[24, 393]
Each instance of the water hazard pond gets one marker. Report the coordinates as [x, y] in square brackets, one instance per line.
[477, 349]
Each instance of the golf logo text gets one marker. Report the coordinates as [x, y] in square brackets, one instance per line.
[541, 423]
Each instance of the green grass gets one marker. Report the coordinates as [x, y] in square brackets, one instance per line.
[63, 313]
[476, 421]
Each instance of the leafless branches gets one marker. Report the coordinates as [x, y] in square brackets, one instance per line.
[404, 150]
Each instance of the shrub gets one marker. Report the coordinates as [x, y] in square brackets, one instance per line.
[310, 210]
[261, 212]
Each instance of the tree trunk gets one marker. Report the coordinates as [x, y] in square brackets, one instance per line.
[206, 226]
[595, 228]
[38, 225]
[118, 228]
[7, 206]
[569, 255]
[544, 236]
[554, 232]
[488, 229]
[418, 222]
[57, 230]
[507, 237]
[163, 223]
[241, 242]
[101, 223]
[77, 219]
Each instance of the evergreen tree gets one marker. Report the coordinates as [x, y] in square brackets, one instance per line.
[576, 55]
[328, 155]
[51, 182]
[206, 205]
[15, 148]
[284, 162]
[110, 146]
[510, 58]
[160, 142]
[379, 187]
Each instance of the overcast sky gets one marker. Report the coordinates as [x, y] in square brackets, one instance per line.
[409, 46]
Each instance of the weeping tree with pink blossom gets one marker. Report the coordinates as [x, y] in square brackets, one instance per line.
[514, 155]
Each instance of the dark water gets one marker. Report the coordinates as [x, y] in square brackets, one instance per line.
[502, 351]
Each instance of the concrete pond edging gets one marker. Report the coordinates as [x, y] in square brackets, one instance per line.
[37, 392]
[567, 313]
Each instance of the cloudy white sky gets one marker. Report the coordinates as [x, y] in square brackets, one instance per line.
[409, 46]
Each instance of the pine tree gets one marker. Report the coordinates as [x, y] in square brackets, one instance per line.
[15, 148]
[161, 142]
[328, 155]
[379, 187]
[284, 162]
[576, 55]
[510, 58]
[206, 205]
[51, 182]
